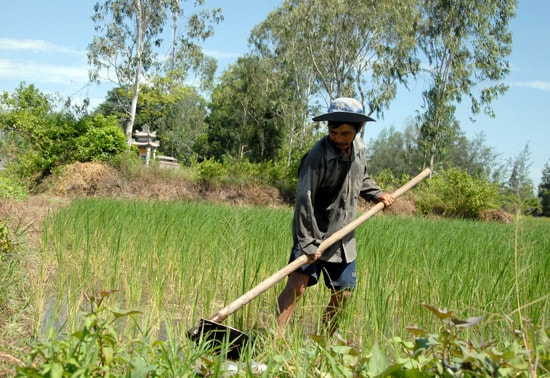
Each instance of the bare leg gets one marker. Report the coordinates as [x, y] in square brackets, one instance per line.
[296, 285]
[335, 306]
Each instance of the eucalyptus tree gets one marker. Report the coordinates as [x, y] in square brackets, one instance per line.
[466, 44]
[129, 46]
[350, 48]
[286, 57]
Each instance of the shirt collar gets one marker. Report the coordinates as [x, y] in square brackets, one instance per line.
[335, 153]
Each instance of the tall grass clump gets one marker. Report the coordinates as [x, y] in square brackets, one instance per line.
[172, 263]
[9, 272]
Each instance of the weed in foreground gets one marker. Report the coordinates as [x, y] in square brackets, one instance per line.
[96, 349]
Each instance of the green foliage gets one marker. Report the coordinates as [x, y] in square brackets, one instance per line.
[517, 192]
[467, 45]
[128, 162]
[7, 240]
[445, 352]
[24, 109]
[12, 189]
[46, 139]
[208, 171]
[102, 139]
[343, 48]
[454, 193]
[134, 49]
[96, 349]
[176, 112]
[245, 122]
[388, 181]
[12, 285]
[544, 191]
[387, 152]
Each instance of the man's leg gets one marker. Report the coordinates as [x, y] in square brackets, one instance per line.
[296, 286]
[335, 306]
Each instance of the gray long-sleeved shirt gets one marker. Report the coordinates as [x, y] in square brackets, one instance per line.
[329, 185]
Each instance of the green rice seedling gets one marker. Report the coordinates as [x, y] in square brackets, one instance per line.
[178, 262]
[455, 264]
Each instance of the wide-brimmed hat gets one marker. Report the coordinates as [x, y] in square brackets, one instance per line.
[344, 109]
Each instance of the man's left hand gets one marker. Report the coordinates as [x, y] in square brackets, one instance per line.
[386, 199]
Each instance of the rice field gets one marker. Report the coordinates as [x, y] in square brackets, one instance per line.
[178, 262]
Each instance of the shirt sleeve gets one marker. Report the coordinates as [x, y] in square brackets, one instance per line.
[370, 190]
[307, 236]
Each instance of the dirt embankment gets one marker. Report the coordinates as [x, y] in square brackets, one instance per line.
[82, 180]
[99, 180]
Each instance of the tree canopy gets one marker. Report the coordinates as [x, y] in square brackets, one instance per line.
[343, 48]
[466, 45]
[129, 38]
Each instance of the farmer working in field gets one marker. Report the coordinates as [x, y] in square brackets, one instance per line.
[331, 177]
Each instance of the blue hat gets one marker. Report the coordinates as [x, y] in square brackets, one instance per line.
[344, 109]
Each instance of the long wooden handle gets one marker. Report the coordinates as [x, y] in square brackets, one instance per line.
[222, 314]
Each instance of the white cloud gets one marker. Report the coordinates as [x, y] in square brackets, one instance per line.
[222, 55]
[535, 84]
[36, 45]
[39, 72]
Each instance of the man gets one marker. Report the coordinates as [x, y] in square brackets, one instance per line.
[331, 177]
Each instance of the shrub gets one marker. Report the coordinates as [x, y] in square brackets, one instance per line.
[96, 349]
[10, 189]
[101, 140]
[208, 171]
[454, 193]
[446, 352]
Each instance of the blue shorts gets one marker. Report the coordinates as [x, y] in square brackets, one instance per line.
[338, 276]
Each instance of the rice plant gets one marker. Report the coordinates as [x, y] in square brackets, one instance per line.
[177, 262]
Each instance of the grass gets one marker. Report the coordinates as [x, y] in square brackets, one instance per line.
[177, 262]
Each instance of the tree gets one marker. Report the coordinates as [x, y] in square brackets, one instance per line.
[245, 120]
[544, 191]
[350, 48]
[20, 113]
[129, 37]
[180, 121]
[295, 86]
[472, 155]
[399, 153]
[466, 44]
[387, 152]
[518, 189]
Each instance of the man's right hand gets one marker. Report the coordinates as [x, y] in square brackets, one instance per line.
[313, 257]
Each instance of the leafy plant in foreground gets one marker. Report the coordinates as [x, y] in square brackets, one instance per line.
[447, 353]
[94, 350]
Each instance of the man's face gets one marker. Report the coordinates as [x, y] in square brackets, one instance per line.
[342, 136]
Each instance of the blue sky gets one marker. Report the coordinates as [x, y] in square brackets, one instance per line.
[44, 43]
